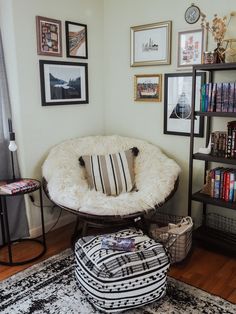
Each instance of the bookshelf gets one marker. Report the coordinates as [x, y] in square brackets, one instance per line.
[211, 237]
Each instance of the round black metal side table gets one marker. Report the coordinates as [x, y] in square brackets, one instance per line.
[5, 228]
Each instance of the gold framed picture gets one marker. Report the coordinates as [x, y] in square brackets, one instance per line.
[151, 44]
[148, 87]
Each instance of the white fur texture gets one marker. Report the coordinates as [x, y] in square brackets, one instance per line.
[155, 175]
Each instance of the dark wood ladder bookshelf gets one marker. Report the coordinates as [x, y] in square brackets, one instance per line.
[212, 238]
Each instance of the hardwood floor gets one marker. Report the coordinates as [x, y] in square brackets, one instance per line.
[210, 271]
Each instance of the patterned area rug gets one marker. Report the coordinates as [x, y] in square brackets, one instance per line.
[50, 288]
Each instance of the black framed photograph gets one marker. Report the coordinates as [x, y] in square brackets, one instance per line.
[178, 104]
[63, 83]
[76, 40]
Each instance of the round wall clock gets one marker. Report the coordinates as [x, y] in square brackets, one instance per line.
[192, 14]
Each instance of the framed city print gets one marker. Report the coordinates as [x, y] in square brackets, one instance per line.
[48, 36]
[76, 40]
[63, 83]
[151, 44]
[190, 48]
[178, 104]
[147, 87]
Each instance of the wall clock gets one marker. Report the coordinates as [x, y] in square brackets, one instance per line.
[192, 14]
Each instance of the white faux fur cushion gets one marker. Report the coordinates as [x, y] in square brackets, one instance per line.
[155, 176]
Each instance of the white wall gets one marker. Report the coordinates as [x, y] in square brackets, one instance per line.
[143, 119]
[39, 128]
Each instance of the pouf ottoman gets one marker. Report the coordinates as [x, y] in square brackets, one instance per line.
[113, 280]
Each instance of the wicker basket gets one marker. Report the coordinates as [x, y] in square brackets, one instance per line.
[178, 242]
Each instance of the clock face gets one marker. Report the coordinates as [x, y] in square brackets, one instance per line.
[192, 14]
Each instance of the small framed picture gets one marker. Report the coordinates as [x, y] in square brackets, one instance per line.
[147, 87]
[151, 44]
[48, 36]
[76, 40]
[190, 48]
[178, 104]
[63, 83]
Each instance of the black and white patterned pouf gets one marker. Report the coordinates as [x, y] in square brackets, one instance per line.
[115, 281]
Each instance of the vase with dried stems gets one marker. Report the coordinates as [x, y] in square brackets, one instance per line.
[217, 28]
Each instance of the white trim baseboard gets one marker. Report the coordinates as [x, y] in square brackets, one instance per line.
[64, 220]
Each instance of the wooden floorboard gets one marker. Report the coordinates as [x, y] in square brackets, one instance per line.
[208, 270]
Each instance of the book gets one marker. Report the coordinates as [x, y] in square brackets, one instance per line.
[219, 97]
[213, 97]
[203, 95]
[231, 97]
[119, 244]
[225, 97]
[209, 101]
[18, 186]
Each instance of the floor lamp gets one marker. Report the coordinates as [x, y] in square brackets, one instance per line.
[12, 147]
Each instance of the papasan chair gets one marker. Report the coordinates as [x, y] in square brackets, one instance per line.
[65, 183]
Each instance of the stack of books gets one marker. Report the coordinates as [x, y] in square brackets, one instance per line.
[218, 97]
[223, 144]
[221, 184]
[19, 186]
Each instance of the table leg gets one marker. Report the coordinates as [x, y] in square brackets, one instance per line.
[2, 223]
[42, 217]
[5, 216]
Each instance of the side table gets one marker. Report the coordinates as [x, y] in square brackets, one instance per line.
[5, 228]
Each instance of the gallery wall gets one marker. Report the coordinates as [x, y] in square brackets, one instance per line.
[145, 119]
[39, 128]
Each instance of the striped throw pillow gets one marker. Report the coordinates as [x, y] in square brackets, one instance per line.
[111, 174]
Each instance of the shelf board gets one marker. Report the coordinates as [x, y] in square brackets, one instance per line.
[216, 114]
[217, 239]
[215, 67]
[206, 199]
[207, 157]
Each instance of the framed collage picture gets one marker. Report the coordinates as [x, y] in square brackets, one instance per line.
[191, 45]
[178, 104]
[63, 83]
[151, 44]
[48, 36]
[148, 87]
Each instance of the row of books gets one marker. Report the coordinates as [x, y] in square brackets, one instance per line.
[223, 144]
[19, 186]
[221, 184]
[218, 97]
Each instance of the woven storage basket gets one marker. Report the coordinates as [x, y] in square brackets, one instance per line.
[178, 240]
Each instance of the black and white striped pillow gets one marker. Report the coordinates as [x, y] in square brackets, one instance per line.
[111, 174]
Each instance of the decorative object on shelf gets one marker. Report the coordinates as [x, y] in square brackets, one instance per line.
[208, 57]
[205, 150]
[190, 47]
[177, 104]
[63, 83]
[148, 87]
[12, 147]
[192, 14]
[48, 36]
[230, 50]
[76, 40]
[151, 44]
[218, 29]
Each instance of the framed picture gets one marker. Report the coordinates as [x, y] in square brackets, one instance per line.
[63, 83]
[147, 87]
[48, 36]
[190, 48]
[178, 104]
[76, 40]
[151, 44]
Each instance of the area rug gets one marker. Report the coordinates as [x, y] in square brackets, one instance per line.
[50, 288]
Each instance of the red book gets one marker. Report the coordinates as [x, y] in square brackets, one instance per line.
[227, 186]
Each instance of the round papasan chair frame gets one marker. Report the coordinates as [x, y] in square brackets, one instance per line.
[139, 218]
